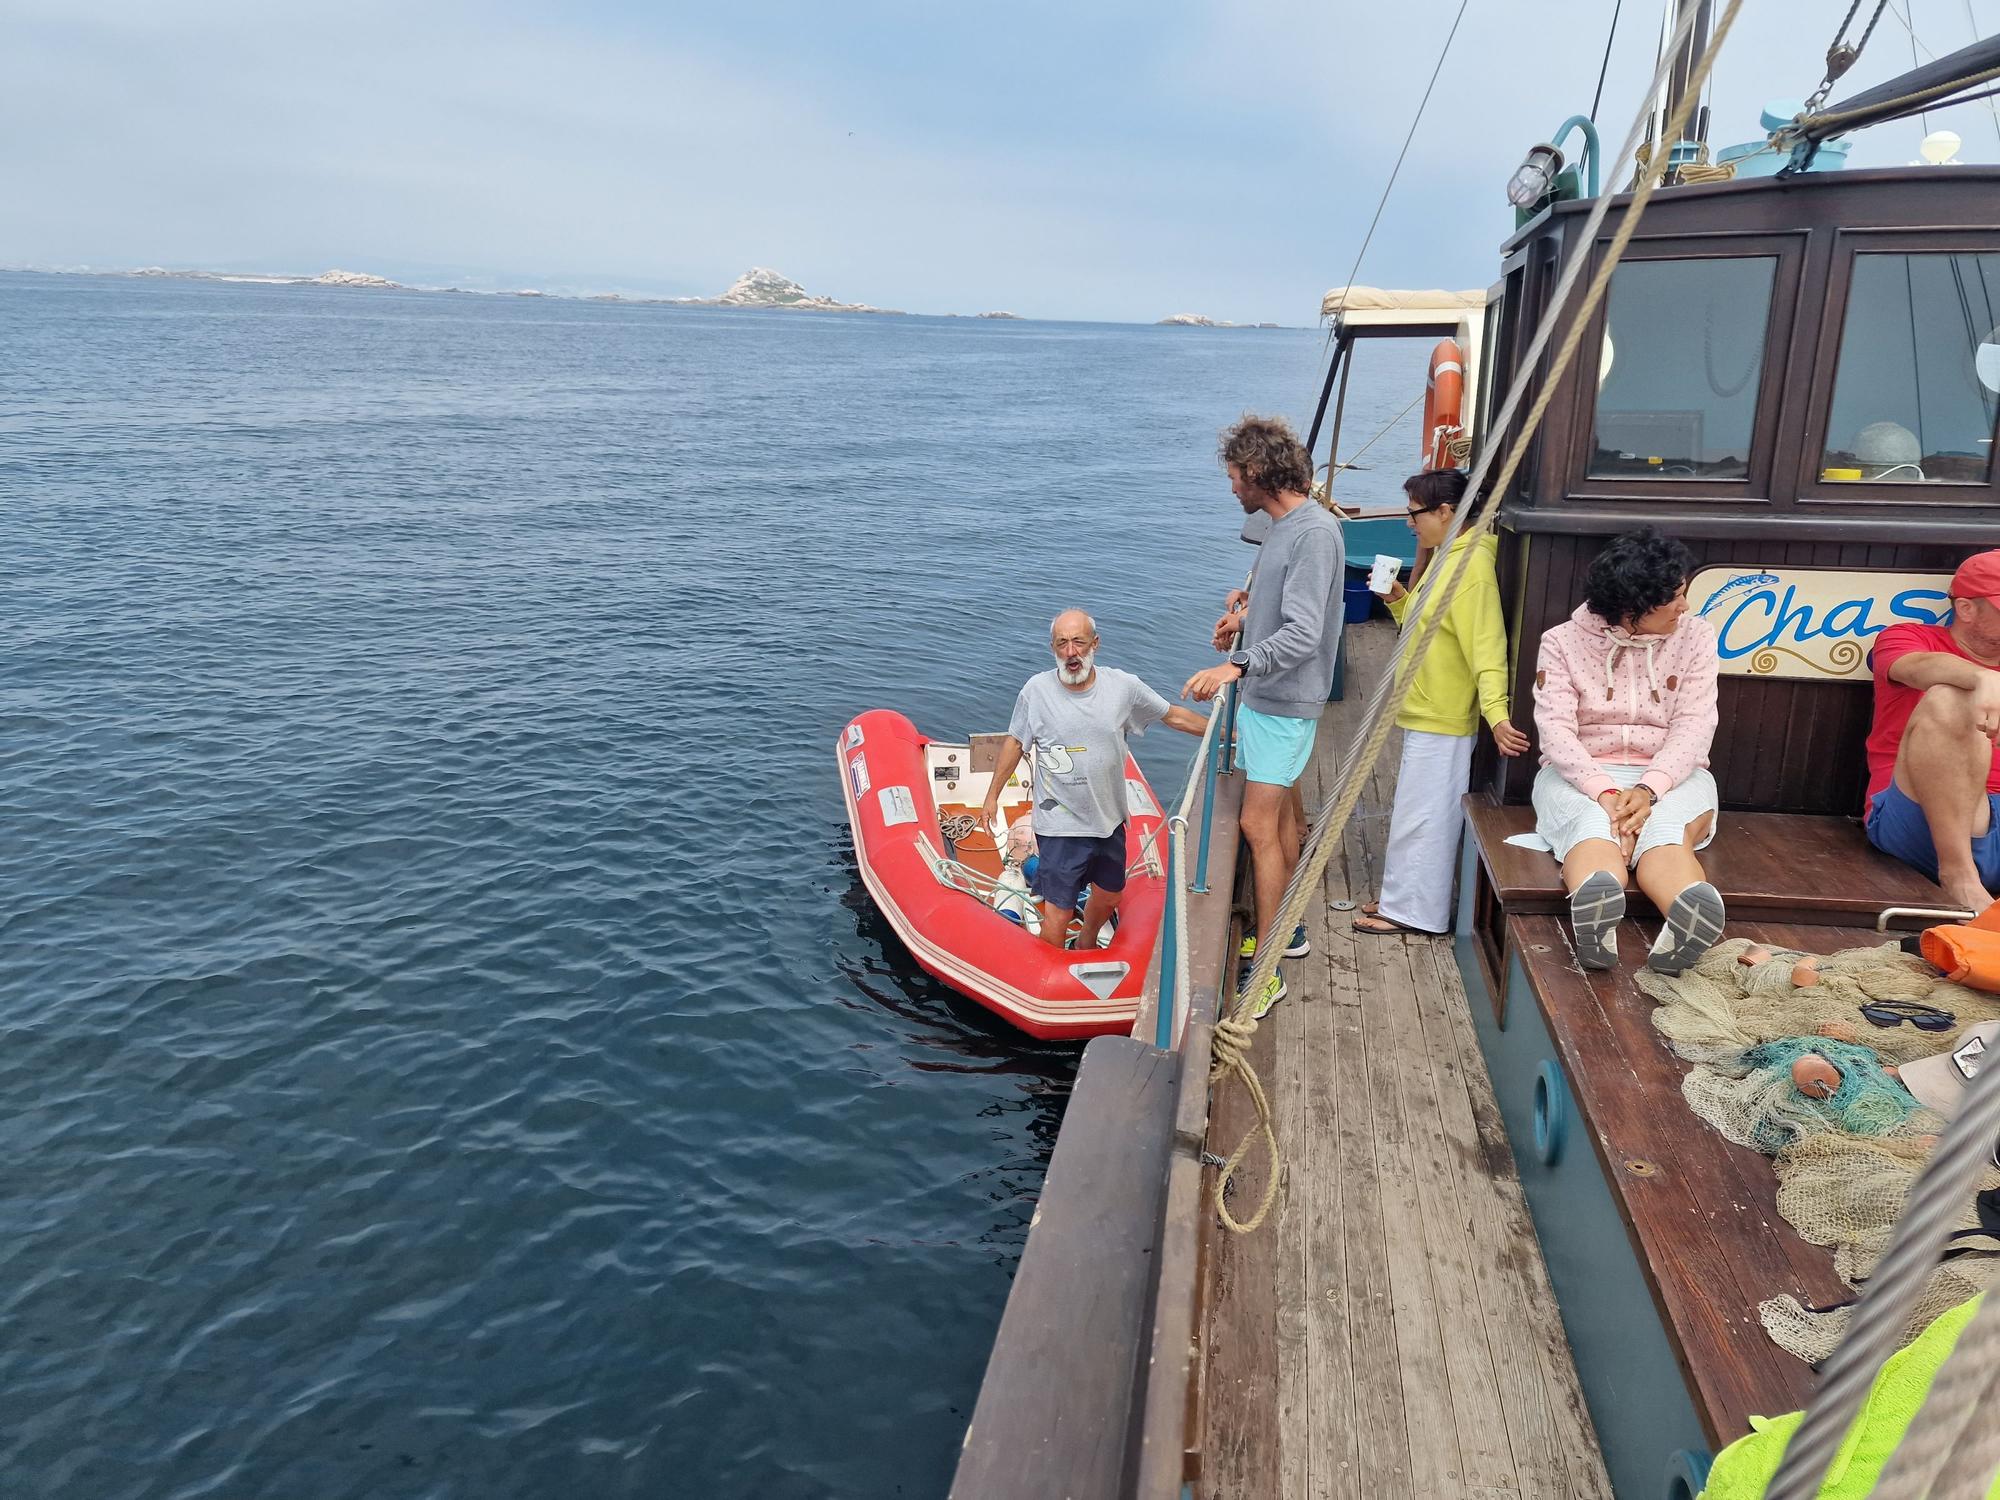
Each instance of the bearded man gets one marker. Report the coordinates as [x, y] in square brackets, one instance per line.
[1077, 716]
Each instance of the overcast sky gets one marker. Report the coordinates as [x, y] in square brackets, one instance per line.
[1090, 159]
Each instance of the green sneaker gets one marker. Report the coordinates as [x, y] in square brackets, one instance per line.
[1248, 947]
[1273, 993]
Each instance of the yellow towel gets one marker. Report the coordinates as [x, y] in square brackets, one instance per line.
[1746, 1467]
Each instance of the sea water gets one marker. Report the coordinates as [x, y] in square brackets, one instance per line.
[445, 1048]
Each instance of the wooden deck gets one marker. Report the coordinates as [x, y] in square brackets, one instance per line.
[1391, 1332]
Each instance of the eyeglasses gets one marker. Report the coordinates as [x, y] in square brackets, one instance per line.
[1424, 510]
[1887, 1013]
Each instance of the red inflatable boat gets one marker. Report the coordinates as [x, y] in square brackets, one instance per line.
[946, 896]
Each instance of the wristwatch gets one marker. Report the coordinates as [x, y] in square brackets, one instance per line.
[1241, 661]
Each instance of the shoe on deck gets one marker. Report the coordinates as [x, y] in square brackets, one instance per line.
[1298, 947]
[1273, 993]
[1595, 910]
[1694, 925]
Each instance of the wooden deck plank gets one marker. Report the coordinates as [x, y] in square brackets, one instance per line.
[1432, 1437]
[1451, 1230]
[1514, 1283]
[1400, 1227]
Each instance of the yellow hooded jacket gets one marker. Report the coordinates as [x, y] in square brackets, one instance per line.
[1464, 676]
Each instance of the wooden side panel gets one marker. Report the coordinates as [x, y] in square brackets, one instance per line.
[1055, 1410]
[1782, 746]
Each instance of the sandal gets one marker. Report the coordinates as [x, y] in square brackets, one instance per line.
[1364, 924]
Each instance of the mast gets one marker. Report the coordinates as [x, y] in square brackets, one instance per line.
[1676, 85]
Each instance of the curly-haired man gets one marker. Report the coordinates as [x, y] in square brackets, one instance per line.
[1289, 620]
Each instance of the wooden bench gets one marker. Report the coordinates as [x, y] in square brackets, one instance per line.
[1699, 1214]
[1769, 867]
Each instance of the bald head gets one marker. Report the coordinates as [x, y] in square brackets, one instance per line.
[1073, 622]
[1073, 639]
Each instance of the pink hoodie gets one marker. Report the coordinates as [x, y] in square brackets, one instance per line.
[1604, 694]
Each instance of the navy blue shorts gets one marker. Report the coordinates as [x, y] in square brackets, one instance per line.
[1069, 864]
[1897, 826]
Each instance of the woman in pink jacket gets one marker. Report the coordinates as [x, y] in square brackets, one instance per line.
[1625, 710]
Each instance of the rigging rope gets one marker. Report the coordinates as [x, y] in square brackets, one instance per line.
[1605, 66]
[1383, 202]
[1235, 1035]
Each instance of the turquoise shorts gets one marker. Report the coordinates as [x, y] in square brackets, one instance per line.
[1272, 749]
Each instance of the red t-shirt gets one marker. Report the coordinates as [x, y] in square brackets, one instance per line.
[1895, 702]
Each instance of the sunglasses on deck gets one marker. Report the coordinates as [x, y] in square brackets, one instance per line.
[1887, 1013]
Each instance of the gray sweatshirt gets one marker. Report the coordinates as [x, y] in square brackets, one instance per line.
[1292, 629]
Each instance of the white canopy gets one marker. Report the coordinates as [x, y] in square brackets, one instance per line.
[1373, 299]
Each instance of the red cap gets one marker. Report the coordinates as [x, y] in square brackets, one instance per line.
[1978, 577]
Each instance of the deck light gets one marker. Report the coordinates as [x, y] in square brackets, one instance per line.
[1939, 147]
[1533, 179]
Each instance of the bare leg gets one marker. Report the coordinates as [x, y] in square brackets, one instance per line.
[1096, 912]
[1673, 880]
[1942, 766]
[1055, 923]
[1590, 856]
[1272, 858]
[1664, 873]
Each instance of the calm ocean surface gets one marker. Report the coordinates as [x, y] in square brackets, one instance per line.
[445, 1049]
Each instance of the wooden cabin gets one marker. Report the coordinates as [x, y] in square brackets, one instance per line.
[1798, 378]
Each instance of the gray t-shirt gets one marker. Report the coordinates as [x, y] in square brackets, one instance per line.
[1078, 737]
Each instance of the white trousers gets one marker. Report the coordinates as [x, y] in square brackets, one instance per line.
[1564, 817]
[1424, 829]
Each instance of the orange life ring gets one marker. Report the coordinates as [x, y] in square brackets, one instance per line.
[1444, 395]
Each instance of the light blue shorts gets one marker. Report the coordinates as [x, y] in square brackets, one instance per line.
[1273, 749]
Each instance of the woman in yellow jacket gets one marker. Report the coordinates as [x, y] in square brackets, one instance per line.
[1463, 678]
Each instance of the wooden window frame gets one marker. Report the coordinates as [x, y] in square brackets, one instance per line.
[1863, 496]
[1788, 249]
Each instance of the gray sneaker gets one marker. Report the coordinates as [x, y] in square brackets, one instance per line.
[1595, 910]
[1694, 925]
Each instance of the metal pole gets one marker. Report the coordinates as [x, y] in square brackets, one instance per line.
[1325, 391]
[1208, 777]
[1163, 1019]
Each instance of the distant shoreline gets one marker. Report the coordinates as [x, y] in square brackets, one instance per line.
[357, 281]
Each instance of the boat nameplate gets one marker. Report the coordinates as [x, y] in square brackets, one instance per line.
[857, 775]
[1812, 623]
[898, 806]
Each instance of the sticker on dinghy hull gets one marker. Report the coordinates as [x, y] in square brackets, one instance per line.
[898, 806]
[1101, 977]
[852, 741]
[1139, 801]
[857, 775]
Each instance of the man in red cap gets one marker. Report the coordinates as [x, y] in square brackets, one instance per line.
[1934, 748]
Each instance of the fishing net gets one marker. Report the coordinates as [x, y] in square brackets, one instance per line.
[1844, 1163]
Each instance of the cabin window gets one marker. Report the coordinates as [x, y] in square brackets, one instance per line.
[1680, 367]
[1918, 386]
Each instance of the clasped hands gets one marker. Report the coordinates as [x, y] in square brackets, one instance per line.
[1628, 810]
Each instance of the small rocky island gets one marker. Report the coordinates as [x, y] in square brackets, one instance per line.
[1196, 320]
[1010, 317]
[325, 278]
[762, 287]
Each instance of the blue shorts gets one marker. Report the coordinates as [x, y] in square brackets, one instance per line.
[1068, 864]
[1897, 826]
[1273, 749]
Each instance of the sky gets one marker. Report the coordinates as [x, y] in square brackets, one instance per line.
[1094, 159]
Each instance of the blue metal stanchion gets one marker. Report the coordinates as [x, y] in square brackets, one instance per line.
[1163, 1020]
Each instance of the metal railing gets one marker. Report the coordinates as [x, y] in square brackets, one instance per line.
[1214, 758]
